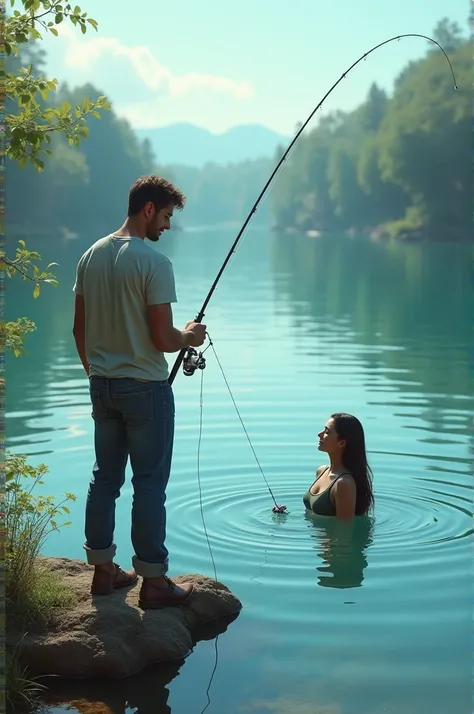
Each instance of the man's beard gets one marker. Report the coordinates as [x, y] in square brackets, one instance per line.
[154, 236]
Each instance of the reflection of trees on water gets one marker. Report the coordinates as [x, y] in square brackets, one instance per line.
[414, 297]
[410, 296]
[342, 548]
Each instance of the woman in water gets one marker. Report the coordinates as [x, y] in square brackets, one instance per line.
[344, 488]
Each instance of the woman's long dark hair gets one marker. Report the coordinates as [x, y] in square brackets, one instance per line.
[354, 458]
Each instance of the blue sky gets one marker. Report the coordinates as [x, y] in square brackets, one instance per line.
[217, 63]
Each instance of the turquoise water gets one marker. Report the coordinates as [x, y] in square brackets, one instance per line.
[376, 621]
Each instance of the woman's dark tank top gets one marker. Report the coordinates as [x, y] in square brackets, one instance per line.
[321, 503]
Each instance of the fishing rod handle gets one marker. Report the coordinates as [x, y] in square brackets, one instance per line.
[177, 365]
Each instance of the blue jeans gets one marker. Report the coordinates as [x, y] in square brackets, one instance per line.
[136, 419]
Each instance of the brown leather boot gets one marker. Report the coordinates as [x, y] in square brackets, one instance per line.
[104, 582]
[154, 597]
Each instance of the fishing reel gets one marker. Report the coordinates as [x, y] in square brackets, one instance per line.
[192, 361]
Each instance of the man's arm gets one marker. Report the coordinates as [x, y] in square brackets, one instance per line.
[160, 293]
[165, 336]
[79, 330]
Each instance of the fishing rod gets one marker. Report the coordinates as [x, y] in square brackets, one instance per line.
[190, 358]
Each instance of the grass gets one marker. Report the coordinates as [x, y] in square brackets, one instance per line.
[22, 690]
[33, 593]
[43, 592]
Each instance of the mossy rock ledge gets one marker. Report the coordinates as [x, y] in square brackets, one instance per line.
[110, 636]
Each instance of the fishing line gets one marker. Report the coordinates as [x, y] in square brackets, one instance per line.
[211, 344]
[201, 401]
[276, 509]
[193, 360]
[182, 354]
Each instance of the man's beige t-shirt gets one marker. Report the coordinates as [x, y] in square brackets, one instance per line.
[118, 278]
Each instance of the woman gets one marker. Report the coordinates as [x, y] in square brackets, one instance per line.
[344, 488]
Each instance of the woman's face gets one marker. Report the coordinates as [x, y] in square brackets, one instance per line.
[329, 440]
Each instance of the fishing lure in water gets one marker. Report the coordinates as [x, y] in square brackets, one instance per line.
[189, 357]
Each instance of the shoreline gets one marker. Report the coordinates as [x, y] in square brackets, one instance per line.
[382, 232]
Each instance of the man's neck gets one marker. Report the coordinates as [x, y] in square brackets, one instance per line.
[129, 228]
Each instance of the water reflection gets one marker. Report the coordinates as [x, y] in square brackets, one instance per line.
[392, 300]
[388, 299]
[369, 328]
[342, 547]
[144, 693]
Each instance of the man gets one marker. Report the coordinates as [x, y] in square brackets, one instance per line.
[123, 325]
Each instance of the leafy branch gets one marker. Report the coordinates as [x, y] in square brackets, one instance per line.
[15, 334]
[31, 125]
[21, 26]
[24, 264]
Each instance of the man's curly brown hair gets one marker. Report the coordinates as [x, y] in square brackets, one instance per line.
[156, 190]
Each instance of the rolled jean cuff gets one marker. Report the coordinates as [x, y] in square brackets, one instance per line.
[149, 570]
[99, 557]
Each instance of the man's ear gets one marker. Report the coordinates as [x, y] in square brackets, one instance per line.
[149, 209]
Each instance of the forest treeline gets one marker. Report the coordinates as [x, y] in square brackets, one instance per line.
[398, 165]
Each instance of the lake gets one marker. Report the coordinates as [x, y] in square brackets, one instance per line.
[380, 623]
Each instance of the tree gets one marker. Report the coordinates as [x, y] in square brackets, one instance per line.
[374, 109]
[423, 143]
[396, 164]
[30, 127]
[448, 34]
[30, 124]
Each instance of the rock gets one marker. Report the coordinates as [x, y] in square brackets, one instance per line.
[110, 636]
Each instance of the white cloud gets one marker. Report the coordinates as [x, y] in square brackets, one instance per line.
[101, 56]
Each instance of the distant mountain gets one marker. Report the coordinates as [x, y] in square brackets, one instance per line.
[193, 146]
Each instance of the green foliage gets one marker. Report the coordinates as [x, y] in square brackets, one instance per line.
[33, 593]
[423, 142]
[25, 265]
[21, 687]
[82, 188]
[30, 125]
[408, 226]
[398, 164]
[29, 521]
[15, 334]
